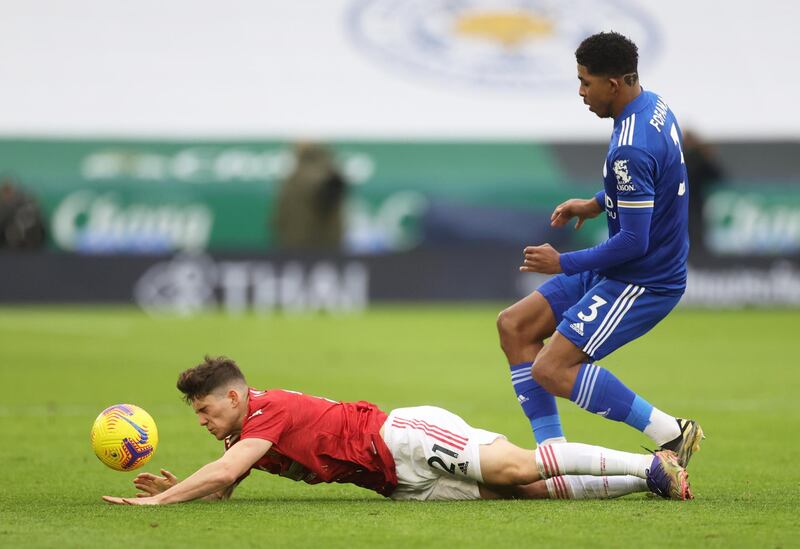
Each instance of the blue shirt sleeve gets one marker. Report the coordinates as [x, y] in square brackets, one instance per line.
[601, 199]
[634, 170]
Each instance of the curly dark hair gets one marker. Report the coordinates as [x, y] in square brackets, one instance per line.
[207, 377]
[608, 54]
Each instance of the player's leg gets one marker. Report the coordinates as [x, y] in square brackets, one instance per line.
[593, 487]
[534, 490]
[525, 325]
[609, 316]
[566, 371]
[569, 487]
[504, 464]
[522, 328]
[439, 456]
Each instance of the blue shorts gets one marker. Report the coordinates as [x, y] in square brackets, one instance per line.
[600, 315]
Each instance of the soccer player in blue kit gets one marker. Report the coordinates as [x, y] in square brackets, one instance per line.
[603, 297]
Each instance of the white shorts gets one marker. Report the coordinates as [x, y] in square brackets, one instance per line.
[436, 454]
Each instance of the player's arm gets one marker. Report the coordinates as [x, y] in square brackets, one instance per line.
[635, 211]
[149, 484]
[214, 478]
[221, 495]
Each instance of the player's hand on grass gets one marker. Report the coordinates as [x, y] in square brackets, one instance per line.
[150, 484]
[575, 207]
[541, 259]
[131, 501]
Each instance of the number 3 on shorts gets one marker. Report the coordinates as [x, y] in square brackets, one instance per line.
[598, 302]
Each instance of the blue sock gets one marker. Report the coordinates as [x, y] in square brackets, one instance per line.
[599, 391]
[538, 404]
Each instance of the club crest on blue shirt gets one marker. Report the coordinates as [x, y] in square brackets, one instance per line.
[623, 178]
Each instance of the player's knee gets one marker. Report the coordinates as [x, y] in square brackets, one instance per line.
[506, 324]
[513, 330]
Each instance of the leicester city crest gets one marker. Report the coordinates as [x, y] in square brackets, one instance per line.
[505, 44]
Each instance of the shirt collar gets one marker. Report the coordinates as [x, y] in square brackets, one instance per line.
[638, 103]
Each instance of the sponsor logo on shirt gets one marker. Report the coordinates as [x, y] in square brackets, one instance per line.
[623, 178]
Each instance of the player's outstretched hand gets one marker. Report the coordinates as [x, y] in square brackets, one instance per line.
[150, 484]
[130, 501]
[574, 207]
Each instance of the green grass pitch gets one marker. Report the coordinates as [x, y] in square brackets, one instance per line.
[736, 372]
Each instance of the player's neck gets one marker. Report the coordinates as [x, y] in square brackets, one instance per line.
[628, 94]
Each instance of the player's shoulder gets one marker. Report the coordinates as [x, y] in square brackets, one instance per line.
[271, 398]
[272, 403]
[273, 395]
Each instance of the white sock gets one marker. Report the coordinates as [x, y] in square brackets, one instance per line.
[662, 427]
[591, 487]
[571, 458]
[554, 440]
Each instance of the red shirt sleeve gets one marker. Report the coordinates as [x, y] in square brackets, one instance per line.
[268, 422]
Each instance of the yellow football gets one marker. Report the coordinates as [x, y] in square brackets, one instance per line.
[124, 437]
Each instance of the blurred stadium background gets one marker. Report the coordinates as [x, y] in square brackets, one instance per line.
[143, 148]
[192, 176]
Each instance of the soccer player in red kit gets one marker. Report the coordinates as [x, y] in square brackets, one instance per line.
[421, 453]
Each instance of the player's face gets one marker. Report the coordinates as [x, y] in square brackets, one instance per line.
[597, 92]
[219, 413]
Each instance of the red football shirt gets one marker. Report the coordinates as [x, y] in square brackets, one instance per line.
[319, 440]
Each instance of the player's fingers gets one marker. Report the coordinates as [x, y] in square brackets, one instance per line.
[579, 223]
[142, 495]
[169, 476]
[148, 476]
[534, 249]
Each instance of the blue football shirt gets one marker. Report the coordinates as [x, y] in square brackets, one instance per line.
[646, 200]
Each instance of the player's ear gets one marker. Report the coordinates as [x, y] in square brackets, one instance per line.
[614, 84]
[234, 396]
